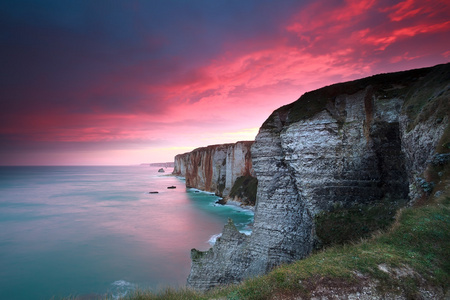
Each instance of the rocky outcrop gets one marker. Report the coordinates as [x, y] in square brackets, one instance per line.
[228, 247]
[359, 142]
[216, 169]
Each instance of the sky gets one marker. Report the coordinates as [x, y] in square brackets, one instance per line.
[128, 82]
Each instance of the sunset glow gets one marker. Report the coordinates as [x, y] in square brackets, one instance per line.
[129, 82]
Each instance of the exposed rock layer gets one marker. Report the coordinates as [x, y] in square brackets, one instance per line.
[357, 142]
[215, 168]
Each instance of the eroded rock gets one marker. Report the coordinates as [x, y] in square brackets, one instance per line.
[215, 168]
[358, 142]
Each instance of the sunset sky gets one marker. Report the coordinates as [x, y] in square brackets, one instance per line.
[128, 82]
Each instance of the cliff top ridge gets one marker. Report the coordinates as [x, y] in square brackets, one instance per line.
[385, 85]
[217, 146]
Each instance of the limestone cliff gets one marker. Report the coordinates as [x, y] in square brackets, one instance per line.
[217, 169]
[361, 142]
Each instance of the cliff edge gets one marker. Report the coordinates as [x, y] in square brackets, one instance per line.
[224, 169]
[366, 143]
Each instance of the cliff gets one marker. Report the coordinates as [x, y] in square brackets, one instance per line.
[225, 170]
[373, 142]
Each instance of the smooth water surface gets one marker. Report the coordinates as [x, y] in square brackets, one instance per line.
[95, 230]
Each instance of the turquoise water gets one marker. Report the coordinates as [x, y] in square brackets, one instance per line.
[90, 231]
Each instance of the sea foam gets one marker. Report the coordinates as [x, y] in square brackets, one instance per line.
[120, 288]
[200, 191]
[213, 239]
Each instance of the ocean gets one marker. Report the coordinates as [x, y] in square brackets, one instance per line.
[89, 231]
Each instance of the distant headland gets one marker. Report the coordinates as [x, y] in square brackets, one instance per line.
[162, 164]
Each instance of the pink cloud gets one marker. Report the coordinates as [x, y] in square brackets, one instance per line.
[402, 10]
[382, 41]
[416, 8]
[369, 27]
[322, 18]
[404, 57]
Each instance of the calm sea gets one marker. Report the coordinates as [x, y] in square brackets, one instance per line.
[87, 231]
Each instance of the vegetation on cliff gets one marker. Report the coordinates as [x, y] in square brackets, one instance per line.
[413, 255]
[349, 224]
[420, 103]
[244, 190]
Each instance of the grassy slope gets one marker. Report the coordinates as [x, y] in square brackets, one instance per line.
[418, 243]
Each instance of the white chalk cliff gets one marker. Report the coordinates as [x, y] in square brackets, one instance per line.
[357, 142]
[222, 169]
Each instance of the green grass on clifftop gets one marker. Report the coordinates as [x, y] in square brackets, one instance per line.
[344, 225]
[418, 246]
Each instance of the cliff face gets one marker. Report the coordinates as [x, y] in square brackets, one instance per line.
[215, 168]
[361, 142]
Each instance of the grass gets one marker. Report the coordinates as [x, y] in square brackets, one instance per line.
[167, 294]
[418, 242]
[428, 97]
[350, 224]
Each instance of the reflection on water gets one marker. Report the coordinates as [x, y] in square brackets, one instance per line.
[93, 230]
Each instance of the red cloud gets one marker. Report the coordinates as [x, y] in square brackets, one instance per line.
[403, 10]
[351, 10]
[413, 8]
[383, 40]
[368, 27]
